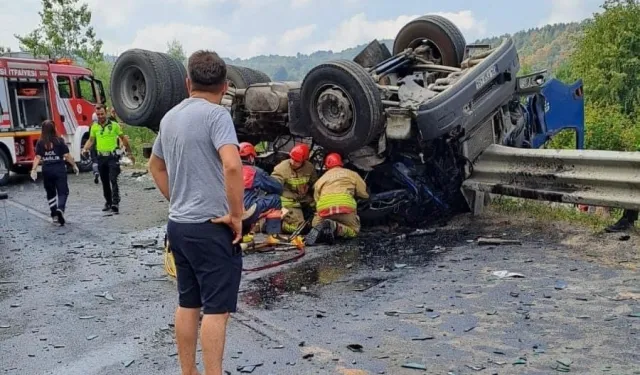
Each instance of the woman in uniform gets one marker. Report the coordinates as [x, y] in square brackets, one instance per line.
[53, 151]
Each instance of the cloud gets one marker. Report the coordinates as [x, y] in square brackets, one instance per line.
[193, 38]
[358, 29]
[290, 39]
[300, 3]
[17, 17]
[563, 11]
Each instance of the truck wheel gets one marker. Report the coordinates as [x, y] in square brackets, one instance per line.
[442, 34]
[344, 106]
[5, 163]
[178, 75]
[240, 77]
[139, 83]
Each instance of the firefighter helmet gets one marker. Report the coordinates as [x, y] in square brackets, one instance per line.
[299, 153]
[333, 160]
[247, 149]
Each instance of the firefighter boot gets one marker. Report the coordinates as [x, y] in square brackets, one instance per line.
[625, 223]
[325, 230]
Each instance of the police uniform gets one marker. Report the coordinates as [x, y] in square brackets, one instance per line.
[106, 140]
[54, 174]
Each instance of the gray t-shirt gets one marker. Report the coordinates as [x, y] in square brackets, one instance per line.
[189, 138]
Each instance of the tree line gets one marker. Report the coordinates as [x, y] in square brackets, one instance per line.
[604, 51]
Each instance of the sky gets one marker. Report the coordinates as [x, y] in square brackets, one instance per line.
[246, 28]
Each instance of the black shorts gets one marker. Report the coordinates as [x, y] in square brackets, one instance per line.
[208, 266]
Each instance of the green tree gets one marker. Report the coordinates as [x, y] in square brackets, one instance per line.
[174, 48]
[65, 31]
[607, 56]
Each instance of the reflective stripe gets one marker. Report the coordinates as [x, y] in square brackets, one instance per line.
[329, 201]
[297, 181]
[289, 202]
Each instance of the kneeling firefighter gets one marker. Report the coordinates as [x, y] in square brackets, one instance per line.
[335, 194]
[297, 175]
[261, 191]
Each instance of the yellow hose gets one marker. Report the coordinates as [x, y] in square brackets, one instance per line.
[169, 262]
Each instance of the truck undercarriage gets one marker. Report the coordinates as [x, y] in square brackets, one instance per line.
[412, 122]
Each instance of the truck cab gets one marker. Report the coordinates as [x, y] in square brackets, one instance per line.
[33, 90]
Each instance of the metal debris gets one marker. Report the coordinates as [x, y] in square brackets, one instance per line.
[105, 295]
[355, 348]
[497, 241]
[415, 366]
[129, 363]
[92, 337]
[248, 369]
[561, 284]
[505, 274]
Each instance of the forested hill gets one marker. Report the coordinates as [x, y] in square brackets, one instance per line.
[539, 48]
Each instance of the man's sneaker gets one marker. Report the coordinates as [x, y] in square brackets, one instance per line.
[96, 177]
[115, 209]
[325, 228]
[54, 219]
[107, 207]
[622, 225]
[60, 216]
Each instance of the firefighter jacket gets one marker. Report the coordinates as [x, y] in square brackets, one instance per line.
[336, 190]
[257, 182]
[296, 182]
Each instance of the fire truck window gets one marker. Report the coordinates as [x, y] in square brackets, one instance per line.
[85, 90]
[64, 87]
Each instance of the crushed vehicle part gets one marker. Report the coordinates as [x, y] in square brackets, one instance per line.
[412, 123]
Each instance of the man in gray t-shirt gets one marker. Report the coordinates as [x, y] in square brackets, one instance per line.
[196, 166]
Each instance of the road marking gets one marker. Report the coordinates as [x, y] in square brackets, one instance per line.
[30, 210]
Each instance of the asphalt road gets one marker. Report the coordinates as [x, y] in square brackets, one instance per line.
[81, 300]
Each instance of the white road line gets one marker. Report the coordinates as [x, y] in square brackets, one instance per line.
[33, 212]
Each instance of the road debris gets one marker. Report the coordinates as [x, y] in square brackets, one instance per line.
[415, 366]
[561, 284]
[105, 295]
[506, 274]
[128, 363]
[497, 241]
[357, 348]
[248, 369]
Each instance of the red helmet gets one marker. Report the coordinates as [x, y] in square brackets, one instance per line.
[299, 153]
[247, 149]
[333, 160]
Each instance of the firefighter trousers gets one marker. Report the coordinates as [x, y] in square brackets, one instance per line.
[293, 219]
[109, 169]
[57, 187]
[348, 225]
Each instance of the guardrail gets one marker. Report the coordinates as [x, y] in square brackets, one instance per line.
[592, 177]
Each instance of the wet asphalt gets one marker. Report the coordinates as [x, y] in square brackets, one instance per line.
[82, 300]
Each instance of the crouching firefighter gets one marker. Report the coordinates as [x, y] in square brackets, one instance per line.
[261, 191]
[297, 175]
[335, 194]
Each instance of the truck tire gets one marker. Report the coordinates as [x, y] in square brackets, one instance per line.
[241, 77]
[343, 106]
[5, 166]
[441, 33]
[139, 84]
[178, 74]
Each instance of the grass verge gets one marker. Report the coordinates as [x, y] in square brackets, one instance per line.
[545, 211]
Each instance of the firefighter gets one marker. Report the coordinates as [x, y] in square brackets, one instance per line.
[297, 175]
[105, 134]
[261, 191]
[53, 151]
[335, 194]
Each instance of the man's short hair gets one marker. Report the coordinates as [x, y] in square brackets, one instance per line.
[207, 71]
[101, 106]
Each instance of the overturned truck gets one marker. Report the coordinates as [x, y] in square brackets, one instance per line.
[411, 121]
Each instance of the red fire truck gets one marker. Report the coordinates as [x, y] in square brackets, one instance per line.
[33, 90]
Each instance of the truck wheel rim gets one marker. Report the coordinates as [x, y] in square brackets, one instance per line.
[4, 168]
[134, 87]
[335, 109]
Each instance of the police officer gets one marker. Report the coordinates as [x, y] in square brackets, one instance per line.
[105, 134]
[53, 151]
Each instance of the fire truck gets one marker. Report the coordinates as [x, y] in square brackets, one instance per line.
[33, 90]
